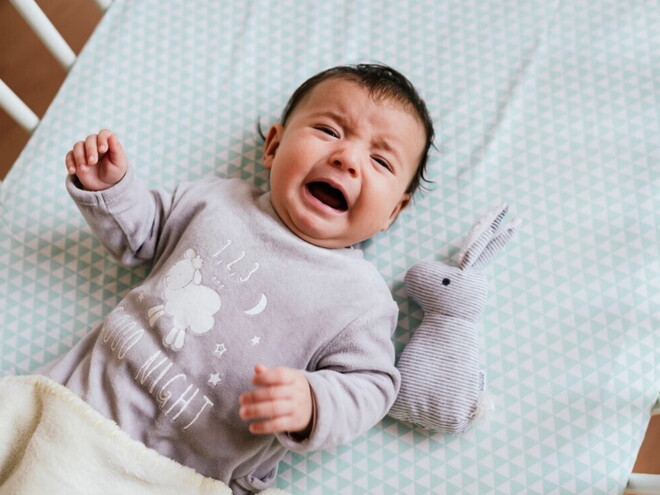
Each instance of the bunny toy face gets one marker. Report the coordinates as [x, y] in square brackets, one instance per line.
[456, 293]
[460, 291]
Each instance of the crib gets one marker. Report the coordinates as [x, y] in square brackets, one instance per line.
[551, 106]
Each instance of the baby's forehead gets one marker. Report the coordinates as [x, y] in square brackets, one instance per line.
[360, 91]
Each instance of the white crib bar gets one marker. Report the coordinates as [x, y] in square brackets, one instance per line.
[16, 109]
[103, 4]
[645, 484]
[54, 41]
[46, 31]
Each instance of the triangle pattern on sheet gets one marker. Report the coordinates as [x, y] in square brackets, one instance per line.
[550, 106]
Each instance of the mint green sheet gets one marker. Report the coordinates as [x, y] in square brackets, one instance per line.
[551, 106]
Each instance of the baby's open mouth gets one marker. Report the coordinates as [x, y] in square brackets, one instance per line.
[328, 195]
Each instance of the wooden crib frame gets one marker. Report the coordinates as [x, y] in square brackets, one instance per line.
[58, 47]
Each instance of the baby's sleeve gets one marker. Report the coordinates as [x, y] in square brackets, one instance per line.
[354, 383]
[126, 217]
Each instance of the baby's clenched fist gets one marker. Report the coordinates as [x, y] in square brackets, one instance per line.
[99, 161]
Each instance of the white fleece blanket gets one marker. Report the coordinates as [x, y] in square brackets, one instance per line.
[52, 442]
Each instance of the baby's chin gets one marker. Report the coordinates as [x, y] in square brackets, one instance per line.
[320, 237]
[322, 225]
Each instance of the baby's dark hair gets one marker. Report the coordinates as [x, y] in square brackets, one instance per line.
[381, 81]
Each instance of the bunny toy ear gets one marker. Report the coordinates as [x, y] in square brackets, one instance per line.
[486, 238]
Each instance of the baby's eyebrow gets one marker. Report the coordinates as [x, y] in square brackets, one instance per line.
[338, 116]
[383, 143]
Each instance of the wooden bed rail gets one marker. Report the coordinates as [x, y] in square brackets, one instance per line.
[641, 483]
[44, 29]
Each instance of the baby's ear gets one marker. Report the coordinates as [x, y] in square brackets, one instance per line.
[271, 144]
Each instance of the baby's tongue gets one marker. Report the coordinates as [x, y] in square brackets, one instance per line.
[328, 195]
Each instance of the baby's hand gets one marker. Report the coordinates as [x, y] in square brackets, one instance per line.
[99, 161]
[282, 401]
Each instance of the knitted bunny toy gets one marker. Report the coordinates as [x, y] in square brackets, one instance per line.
[441, 384]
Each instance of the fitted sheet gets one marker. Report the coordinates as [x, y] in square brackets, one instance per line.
[552, 107]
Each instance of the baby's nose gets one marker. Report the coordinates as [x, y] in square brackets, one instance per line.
[346, 159]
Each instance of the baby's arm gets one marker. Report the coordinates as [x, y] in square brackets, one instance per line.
[282, 402]
[125, 216]
[353, 386]
[99, 161]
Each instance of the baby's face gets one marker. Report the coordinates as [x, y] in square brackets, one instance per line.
[340, 168]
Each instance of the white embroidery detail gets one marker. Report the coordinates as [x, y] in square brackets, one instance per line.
[256, 340]
[214, 379]
[229, 265]
[190, 304]
[207, 402]
[123, 331]
[260, 306]
[227, 244]
[220, 349]
[168, 395]
[255, 267]
[149, 367]
[163, 396]
[155, 313]
[233, 271]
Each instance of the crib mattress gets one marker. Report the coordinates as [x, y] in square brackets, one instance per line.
[552, 107]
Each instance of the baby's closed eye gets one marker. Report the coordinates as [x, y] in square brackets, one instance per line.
[382, 162]
[327, 130]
